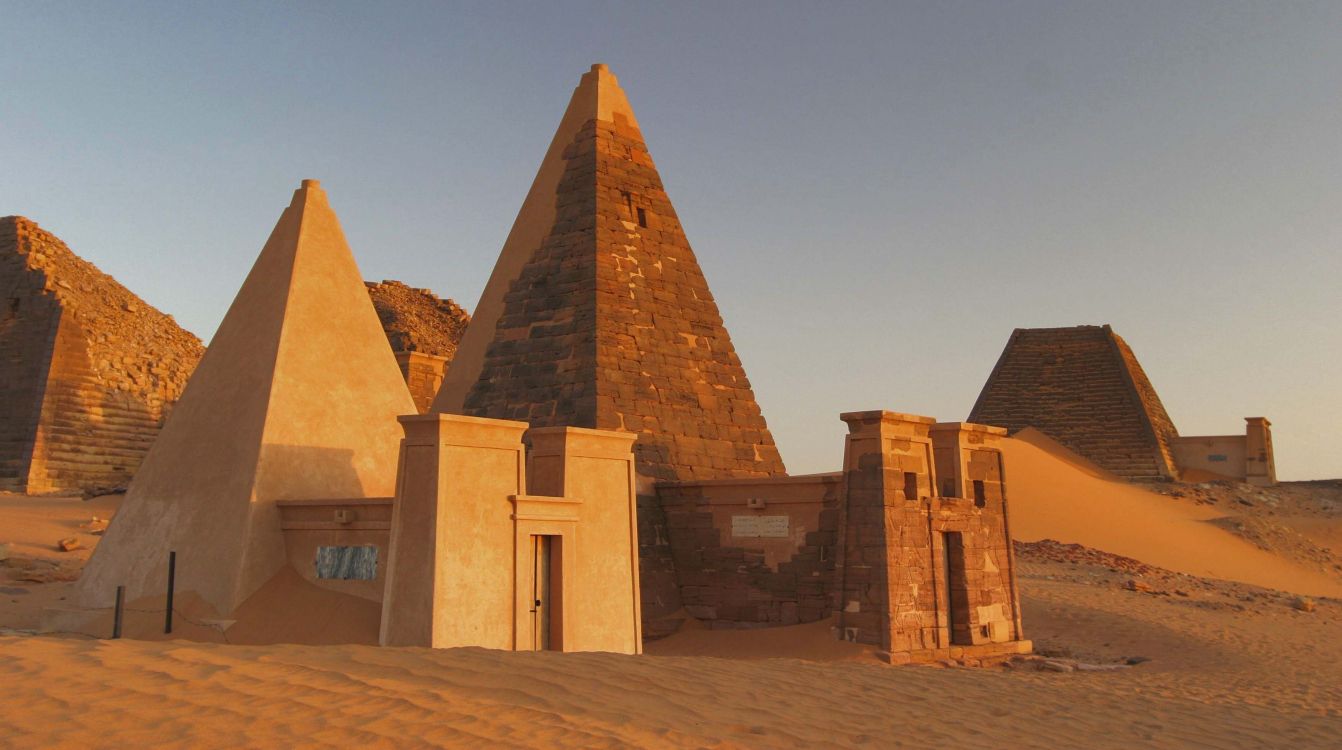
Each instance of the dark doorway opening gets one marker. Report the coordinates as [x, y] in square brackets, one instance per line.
[957, 587]
[546, 593]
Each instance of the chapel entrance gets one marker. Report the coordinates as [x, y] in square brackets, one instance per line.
[957, 587]
[546, 622]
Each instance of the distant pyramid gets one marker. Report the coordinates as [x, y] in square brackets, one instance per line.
[598, 315]
[1084, 388]
[296, 398]
[88, 370]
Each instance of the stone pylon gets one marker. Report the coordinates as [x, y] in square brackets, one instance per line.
[296, 398]
[597, 313]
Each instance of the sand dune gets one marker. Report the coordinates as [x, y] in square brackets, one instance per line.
[1220, 677]
[1056, 495]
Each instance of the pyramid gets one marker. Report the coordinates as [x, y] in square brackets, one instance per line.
[1083, 387]
[598, 315]
[88, 370]
[296, 398]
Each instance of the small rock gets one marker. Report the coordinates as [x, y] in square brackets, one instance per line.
[1303, 603]
[1133, 661]
[1100, 667]
[1056, 666]
[70, 544]
[1180, 592]
[1133, 584]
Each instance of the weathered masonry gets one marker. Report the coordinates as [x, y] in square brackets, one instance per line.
[1084, 387]
[597, 313]
[88, 371]
[423, 331]
[909, 545]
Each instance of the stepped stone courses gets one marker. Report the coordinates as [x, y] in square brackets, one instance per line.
[1084, 388]
[88, 371]
[609, 323]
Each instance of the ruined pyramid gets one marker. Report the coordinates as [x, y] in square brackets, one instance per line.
[598, 315]
[296, 398]
[1084, 388]
[88, 370]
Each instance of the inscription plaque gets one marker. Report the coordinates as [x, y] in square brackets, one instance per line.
[774, 527]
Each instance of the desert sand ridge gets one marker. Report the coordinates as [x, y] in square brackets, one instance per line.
[1054, 497]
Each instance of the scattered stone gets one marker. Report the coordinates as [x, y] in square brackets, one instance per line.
[1133, 661]
[1051, 665]
[1303, 604]
[70, 544]
[1100, 667]
[96, 525]
[1133, 584]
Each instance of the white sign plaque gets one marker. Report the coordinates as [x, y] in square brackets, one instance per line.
[772, 527]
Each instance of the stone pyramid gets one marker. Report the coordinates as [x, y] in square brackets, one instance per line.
[1084, 388]
[296, 398]
[88, 370]
[598, 315]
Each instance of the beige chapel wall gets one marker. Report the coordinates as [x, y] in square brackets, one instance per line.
[1196, 453]
[477, 565]
[605, 592]
[450, 578]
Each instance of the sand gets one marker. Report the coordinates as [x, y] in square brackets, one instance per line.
[1055, 495]
[1218, 677]
[1223, 664]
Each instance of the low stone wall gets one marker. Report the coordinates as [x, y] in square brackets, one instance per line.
[753, 552]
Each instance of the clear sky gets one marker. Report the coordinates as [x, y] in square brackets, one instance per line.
[878, 193]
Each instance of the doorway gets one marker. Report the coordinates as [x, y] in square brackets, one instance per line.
[957, 587]
[546, 593]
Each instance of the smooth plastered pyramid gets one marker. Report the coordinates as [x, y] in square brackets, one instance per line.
[296, 398]
[598, 314]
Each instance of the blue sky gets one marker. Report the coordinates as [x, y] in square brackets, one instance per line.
[878, 193]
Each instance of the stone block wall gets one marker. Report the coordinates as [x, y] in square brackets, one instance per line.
[610, 324]
[754, 552]
[90, 371]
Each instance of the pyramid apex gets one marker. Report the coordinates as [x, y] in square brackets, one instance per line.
[309, 192]
[600, 68]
